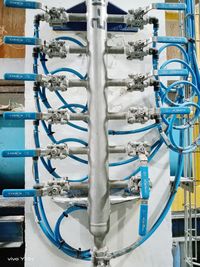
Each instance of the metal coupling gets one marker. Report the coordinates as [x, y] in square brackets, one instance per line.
[135, 18]
[55, 48]
[48, 190]
[137, 115]
[141, 114]
[141, 149]
[60, 151]
[134, 185]
[101, 258]
[55, 16]
[61, 116]
[137, 83]
[55, 187]
[53, 82]
[136, 50]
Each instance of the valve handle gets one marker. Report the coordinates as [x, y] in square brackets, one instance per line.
[20, 76]
[171, 40]
[168, 6]
[21, 40]
[19, 153]
[20, 115]
[175, 110]
[22, 4]
[166, 72]
[19, 193]
[143, 223]
[145, 186]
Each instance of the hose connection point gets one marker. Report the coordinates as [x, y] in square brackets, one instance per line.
[54, 82]
[61, 116]
[60, 151]
[136, 50]
[101, 258]
[154, 21]
[55, 17]
[139, 149]
[141, 114]
[55, 49]
[138, 82]
[136, 18]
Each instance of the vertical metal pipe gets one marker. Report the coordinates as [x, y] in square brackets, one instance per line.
[99, 205]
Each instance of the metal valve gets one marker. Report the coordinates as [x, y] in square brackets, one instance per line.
[55, 16]
[140, 114]
[54, 82]
[57, 116]
[52, 187]
[140, 149]
[138, 82]
[135, 184]
[135, 18]
[60, 151]
[135, 50]
[101, 258]
[55, 48]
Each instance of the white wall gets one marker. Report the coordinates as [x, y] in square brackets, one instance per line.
[11, 65]
[156, 251]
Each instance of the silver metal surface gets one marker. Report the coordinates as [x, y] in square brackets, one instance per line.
[84, 200]
[99, 203]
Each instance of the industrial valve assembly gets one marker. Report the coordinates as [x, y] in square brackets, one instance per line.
[97, 190]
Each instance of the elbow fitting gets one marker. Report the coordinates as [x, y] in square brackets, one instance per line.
[37, 19]
[154, 21]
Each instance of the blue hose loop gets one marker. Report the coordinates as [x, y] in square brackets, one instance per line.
[182, 50]
[194, 89]
[44, 224]
[184, 149]
[189, 122]
[186, 65]
[70, 39]
[79, 253]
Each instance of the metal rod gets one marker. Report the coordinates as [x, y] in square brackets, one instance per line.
[78, 117]
[78, 150]
[116, 82]
[99, 203]
[117, 116]
[76, 17]
[77, 50]
[86, 150]
[85, 186]
[115, 50]
[110, 116]
[78, 83]
[109, 50]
